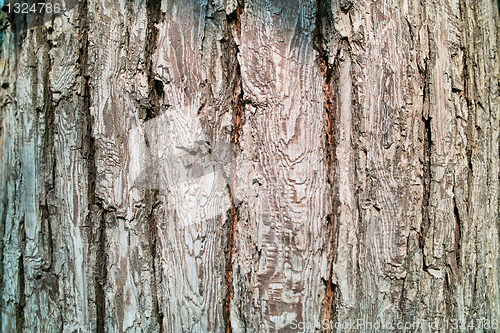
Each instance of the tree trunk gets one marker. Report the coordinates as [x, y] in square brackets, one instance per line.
[251, 166]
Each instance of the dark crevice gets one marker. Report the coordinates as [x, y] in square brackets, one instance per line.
[411, 32]
[426, 172]
[87, 132]
[160, 321]
[426, 145]
[153, 230]
[450, 301]
[153, 109]
[101, 273]
[426, 162]
[458, 231]
[97, 214]
[323, 30]
[21, 297]
[19, 306]
[231, 234]
[468, 94]
[48, 154]
[3, 219]
[158, 88]
[234, 24]
[155, 86]
[426, 175]
[470, 108]
[330, 300]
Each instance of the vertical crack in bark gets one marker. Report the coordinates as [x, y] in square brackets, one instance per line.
[153, 196]
[329, 312]
[458, 231]
[153, 109]
[88, 136]
[467, 91]
[430, 63]
[101, 274]
[233, 21]
[19, 307]
[426, 185]
[48, 154]
[4, 179]
[21, 297]
[3, 219]
[96, 212]
[426, 163]
[330, 72]
[155, 87]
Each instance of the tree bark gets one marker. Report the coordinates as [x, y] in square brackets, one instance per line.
[251, 166]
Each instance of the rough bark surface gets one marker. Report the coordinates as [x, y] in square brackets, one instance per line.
[246, 166]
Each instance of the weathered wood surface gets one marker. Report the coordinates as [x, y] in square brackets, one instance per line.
[216, 166]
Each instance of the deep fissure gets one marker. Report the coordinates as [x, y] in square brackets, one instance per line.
[233, 22]
[97, 234]
[155, 86]
[323, 24]
[156, 93]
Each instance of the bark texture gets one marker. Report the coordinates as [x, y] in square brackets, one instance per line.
[246, 166]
